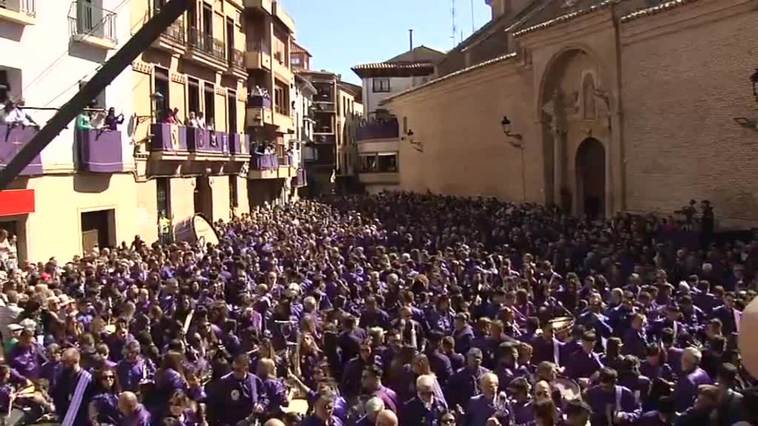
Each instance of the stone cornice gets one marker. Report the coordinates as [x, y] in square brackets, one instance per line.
[565, 18]
[452, 76]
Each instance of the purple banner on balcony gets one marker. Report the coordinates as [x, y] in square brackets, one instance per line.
[384, 129]
[259, 101]
[238, 144]
[169, 138]
[265, 162]
[202, 141]
[11, 142]
[99, 151]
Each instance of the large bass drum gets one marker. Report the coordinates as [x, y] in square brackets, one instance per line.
[195, 229]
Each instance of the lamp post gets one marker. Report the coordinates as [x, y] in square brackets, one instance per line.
[516, 140]
[750, 123]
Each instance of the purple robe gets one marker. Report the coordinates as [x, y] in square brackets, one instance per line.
[620, 401]
[686, 388]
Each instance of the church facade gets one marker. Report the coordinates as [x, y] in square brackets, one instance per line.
[598, 106]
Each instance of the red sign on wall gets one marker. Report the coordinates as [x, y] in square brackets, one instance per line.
[16, 201]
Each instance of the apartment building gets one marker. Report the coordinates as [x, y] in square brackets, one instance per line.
[189, 91]
[270, 33]
[378, 137]
[80, 191]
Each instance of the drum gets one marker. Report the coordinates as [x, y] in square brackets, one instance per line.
[562, 325]
[297, 406]
[195, 229]
[569, 389]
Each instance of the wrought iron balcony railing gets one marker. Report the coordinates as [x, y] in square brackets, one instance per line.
[85, 19]
[206, 44]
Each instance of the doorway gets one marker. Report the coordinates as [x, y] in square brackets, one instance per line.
[203, 197]
[590, 178]
[98, 229]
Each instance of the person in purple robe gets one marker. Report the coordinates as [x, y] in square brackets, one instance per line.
[654, 365]
[664, 415]
[26, 357]
[371, 382]
[134, 369]
[610, 402]
[691, 377]
[635, 339]
[238, 396]
[103, 408]
[462, 333]
[464, 384]
[273, 391]
[323, 411]
[423, 409]
[584, 363]
[488, 404]
[546, 347]
[134, 413]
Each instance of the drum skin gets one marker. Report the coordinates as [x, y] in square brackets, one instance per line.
[195, 228]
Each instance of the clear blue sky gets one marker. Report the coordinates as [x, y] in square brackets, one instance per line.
[343, 33]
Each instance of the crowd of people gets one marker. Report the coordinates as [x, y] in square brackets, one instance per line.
[390, 309]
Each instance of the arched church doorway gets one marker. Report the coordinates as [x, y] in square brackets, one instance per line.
[590, 178]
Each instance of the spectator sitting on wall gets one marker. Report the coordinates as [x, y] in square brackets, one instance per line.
[112, 120]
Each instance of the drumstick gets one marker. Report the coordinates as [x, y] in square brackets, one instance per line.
[187, 321]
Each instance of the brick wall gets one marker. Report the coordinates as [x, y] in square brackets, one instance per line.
[680, 91]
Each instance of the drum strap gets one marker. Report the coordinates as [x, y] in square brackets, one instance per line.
[618, 398]
[556, 352]
[76, 400]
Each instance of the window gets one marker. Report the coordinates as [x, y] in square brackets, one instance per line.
[381, 85]
[207, 19]
[281, 101]
[5, 86]
[233, 201]
[163, 194]
[231, 111]
[193, 96]
[210, 105]
[161, 86]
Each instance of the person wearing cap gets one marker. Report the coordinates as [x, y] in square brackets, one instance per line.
[610, 402]
[464, 384]
[584, 363]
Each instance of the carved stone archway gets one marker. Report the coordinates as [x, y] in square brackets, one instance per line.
[574, 107]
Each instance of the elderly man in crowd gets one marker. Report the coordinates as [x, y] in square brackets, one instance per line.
[441, 308]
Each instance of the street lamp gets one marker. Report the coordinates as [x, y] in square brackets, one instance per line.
[750, 123]
[516, 141]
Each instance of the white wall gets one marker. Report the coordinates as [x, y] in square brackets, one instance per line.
[51, 66]
[371, 99]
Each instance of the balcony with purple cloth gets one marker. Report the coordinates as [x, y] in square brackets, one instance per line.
[168, 139]
[99, 151]
[265, 162]
[203, 142]
[238, 146]
[378, 129]
[12, 140]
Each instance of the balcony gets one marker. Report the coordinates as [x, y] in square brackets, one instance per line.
[259, 111]
[12, 140]
[92, 25]
[99, 151]
[324, 107]
[206, 50]
[22, 12]
[257, 56]
[264, 166]
[236, 62]
[323, 129]
[204, 143]
[265, 6]
[378, 129]
[379, 168]
[281, 68]
[173, 39]
[169, 141]
[238, 147]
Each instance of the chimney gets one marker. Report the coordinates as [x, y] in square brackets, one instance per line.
[410, 39]
[498, 7]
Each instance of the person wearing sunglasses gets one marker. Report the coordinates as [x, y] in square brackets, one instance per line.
[103, 409]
